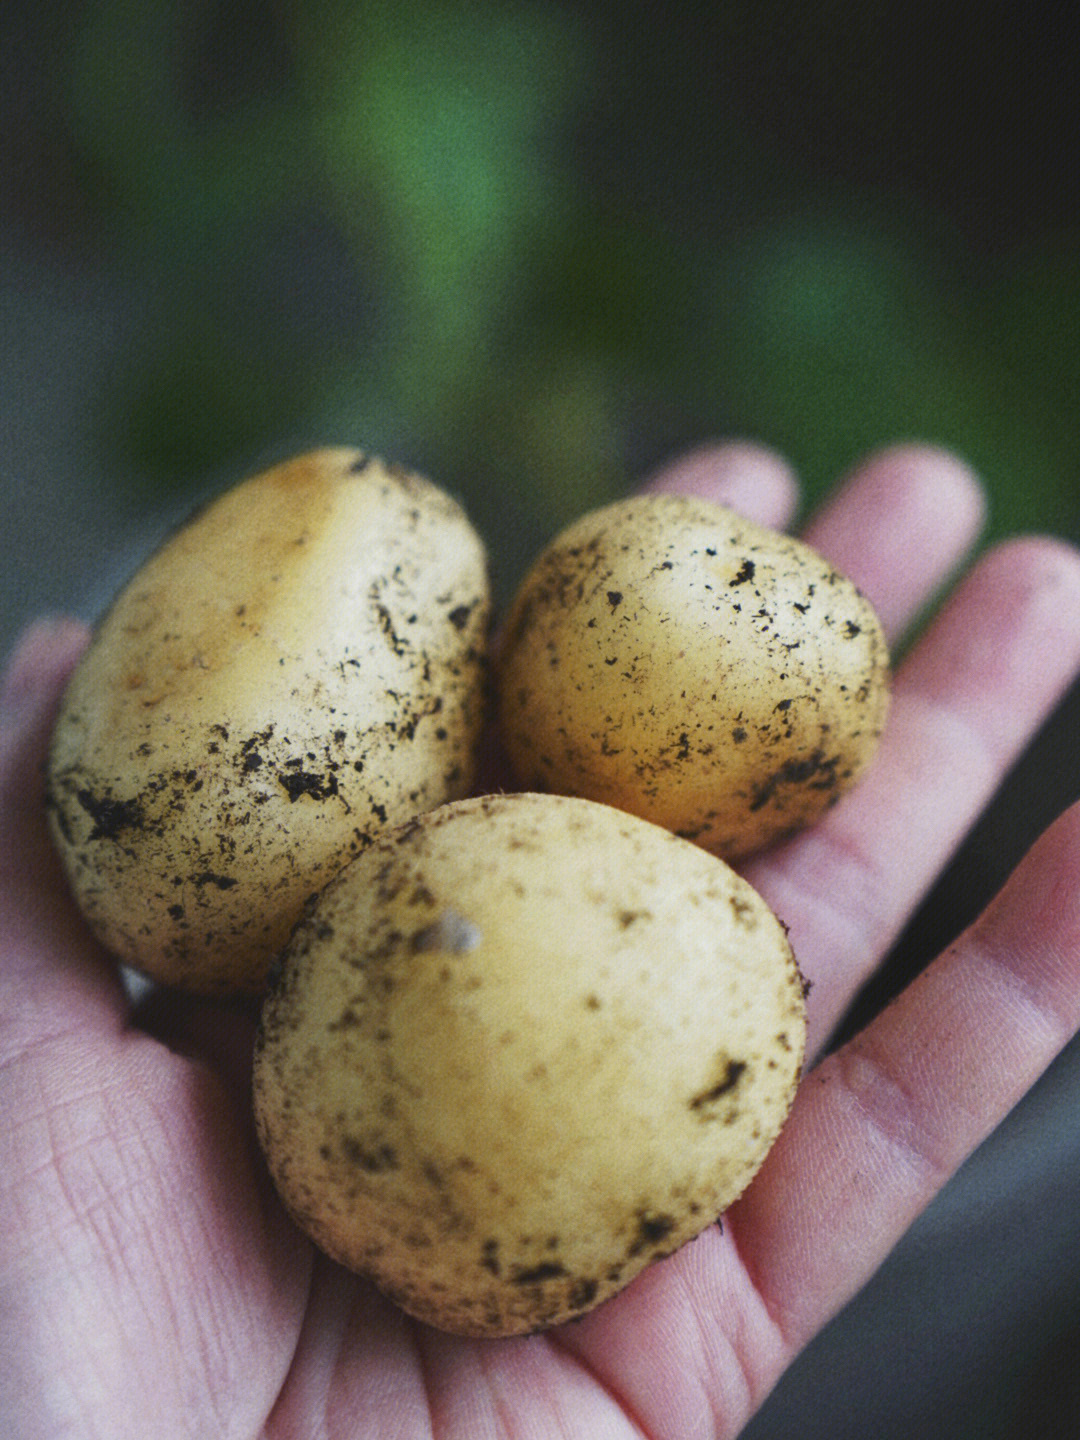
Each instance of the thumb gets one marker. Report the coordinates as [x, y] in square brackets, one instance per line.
[50, 968]
[30, 691]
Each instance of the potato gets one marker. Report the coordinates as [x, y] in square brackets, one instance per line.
[669, 658]
[520, 1048]
[297, 668]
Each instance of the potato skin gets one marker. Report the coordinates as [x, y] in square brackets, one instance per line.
[297, 667]
[519, 1049]
[668, 657]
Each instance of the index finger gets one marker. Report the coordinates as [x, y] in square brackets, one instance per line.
[748, 478]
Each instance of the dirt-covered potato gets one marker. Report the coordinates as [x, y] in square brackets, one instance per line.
[520, 1048]
[298, 667]
[668, 657]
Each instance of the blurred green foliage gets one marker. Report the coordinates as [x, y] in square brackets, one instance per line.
[534, 248]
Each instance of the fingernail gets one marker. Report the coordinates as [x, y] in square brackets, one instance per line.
[33, 662]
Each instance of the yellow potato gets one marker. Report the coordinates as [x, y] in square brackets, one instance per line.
[666, 656]
[519, 1049]
[298, 667]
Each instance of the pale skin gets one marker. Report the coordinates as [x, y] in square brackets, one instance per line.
[150, 1284]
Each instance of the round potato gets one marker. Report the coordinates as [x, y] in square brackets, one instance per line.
[520, 1048]
[667, 657]
[298, 667]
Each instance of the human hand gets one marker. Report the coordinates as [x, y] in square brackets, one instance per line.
[150, 1284]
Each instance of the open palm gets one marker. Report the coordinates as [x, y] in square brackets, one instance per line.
[151, 1285]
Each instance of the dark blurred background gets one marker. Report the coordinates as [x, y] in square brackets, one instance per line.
[534, 249]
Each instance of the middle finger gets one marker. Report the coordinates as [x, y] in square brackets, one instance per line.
[966, 702]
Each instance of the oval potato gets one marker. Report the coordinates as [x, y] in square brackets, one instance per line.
[519, 1049]
[667, 657]
[297, 667]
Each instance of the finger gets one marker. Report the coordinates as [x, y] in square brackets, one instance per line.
[971, 695]
[747, 478]
[51, 972]
[899, 527]
[880, 1125]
